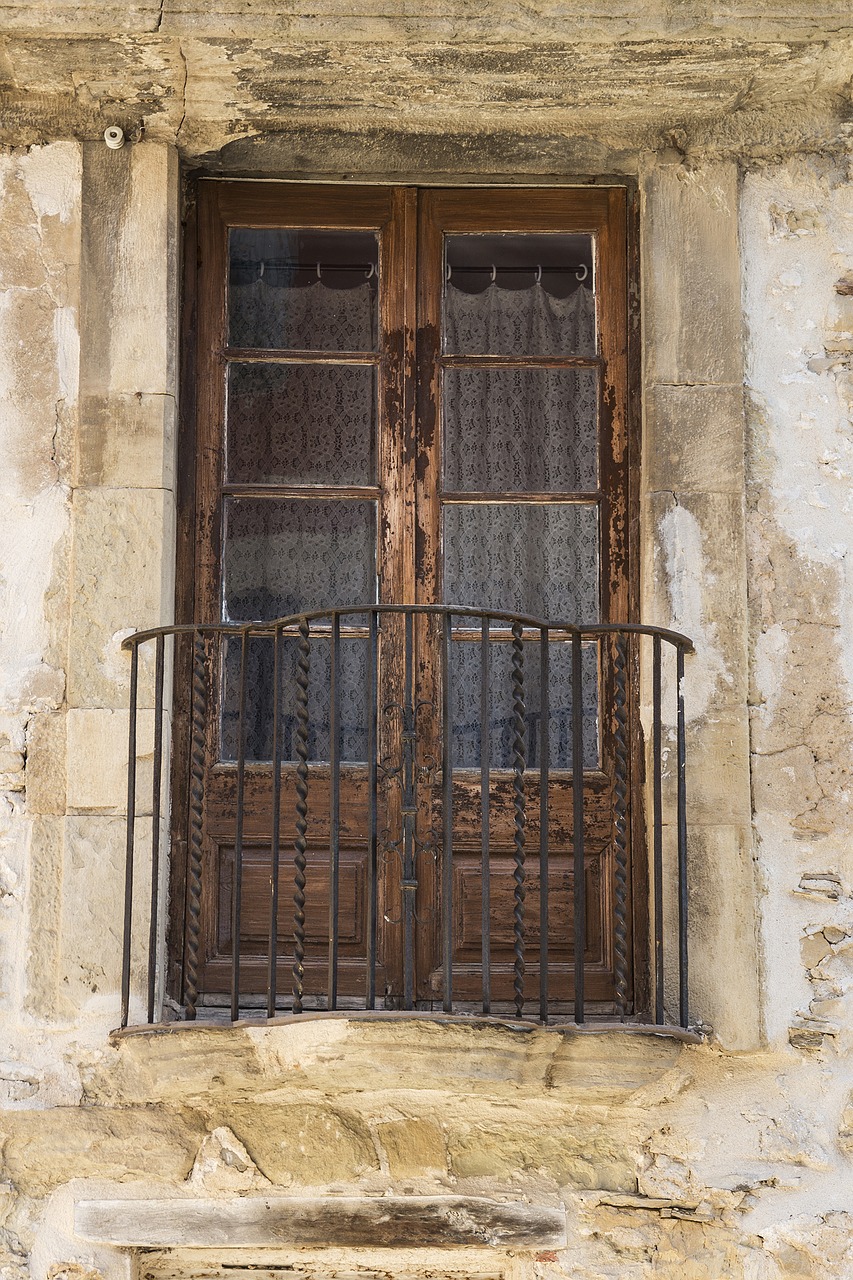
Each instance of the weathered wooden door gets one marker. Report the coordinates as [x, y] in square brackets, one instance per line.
[522, 506]
[403, 397]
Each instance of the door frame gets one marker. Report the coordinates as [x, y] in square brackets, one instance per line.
[193, 328]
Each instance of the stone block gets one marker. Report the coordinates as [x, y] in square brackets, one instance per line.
[44, 1149]
[127, 441]
[607, 1068]
[129, 270]
[123, 580]
[722, 934]
[717, 771]
[92, 912]
[97, 760]
[43, 997]
[584, 1154]
[696, 583]
[46, 748]
[33, 646]
[691, 275]
[309, 1145]
[694, 439]
[412, 1147]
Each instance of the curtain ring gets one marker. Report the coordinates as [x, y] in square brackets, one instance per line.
[494, 273]
[582, 268]
[371, 271]
[319, 277]
[539, 273]
[447, 272]
[261, 265]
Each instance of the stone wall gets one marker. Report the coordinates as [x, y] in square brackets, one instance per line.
[725, 1159]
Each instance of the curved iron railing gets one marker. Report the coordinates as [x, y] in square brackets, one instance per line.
[388, 694]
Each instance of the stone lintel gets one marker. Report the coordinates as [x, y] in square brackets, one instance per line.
[353, 1221]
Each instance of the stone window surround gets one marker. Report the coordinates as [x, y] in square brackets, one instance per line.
[693, 561]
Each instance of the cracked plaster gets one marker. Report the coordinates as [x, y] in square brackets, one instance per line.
[701, 1163]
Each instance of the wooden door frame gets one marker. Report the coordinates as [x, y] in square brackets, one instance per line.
[189, 443]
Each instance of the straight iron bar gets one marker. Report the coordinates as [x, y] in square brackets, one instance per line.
[657, 828]
[237, 886]
[485, 771]
[275, 844]
[579, 871]
[447, 814]
[130, 837]
[335, 807]
[156, 790]
[372, 753]
[683, 996]
[544, 765]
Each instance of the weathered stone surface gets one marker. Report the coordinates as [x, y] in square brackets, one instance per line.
[224, 1166]
[613, 81]
[42, 997]
[130, 221]
[693, 317]
[578, 1153]
[390, 1222]
[207, 1066]
[412, 1146]
[309, 1145]
[121, 537]
[127, 440]
[46, 752]
[91, 923]
[724, 982]
[44, 1149]
[97, 755]
[694, 439]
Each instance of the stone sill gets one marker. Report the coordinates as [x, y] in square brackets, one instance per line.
[597, 1027]
[598, 1064]
[346, 1222]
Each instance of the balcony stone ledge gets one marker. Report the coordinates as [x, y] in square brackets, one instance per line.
[599, 1065]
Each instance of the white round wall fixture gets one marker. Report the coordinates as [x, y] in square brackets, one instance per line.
[114, 137]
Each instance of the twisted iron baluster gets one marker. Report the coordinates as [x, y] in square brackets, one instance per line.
[620, 839]
[518, 760]
[197, 757]
[300, 844]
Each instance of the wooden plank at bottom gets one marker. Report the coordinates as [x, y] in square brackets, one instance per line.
[377, 1221]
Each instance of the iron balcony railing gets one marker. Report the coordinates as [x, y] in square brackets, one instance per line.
[514, 790]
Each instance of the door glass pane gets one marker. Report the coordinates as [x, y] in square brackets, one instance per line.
[303, 289]
[301, 424]
[519, 295]
[536, 560]
[260, 693]
[283, 557]
[520, 430]
[468, 720]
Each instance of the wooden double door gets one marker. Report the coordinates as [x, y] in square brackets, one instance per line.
[404, 396]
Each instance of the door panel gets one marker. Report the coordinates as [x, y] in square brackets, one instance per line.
[521, 377]
[300, 496]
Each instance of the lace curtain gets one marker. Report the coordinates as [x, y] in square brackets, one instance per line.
[519, 322]
[506, 430]
[521, 430]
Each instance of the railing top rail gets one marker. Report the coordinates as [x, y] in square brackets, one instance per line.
[271, 626]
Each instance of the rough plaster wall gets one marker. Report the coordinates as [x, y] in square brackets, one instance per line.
[39, 307]
[798, 249]
[673, 1162]
[85, 555]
